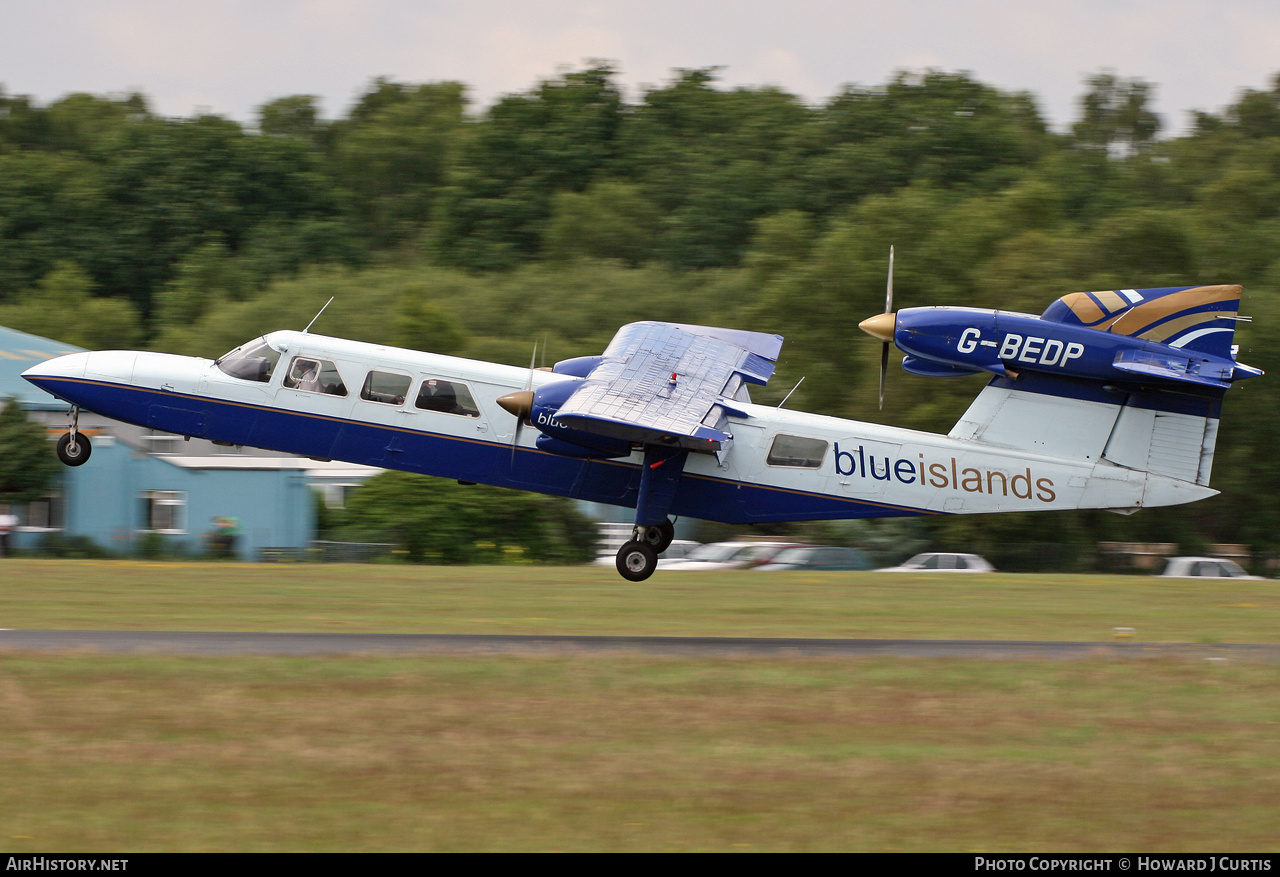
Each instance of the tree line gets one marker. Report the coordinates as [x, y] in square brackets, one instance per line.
[560, 212]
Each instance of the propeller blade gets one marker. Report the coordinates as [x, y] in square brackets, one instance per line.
[888, 309]
[884, 367]
[888, 291]
[882, 326]
[520, 404]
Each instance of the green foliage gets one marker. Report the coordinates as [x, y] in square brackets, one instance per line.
[1114, 114]
[27, 463]
[59, 544]
[391, 158]
[434, 520]
[62, 307]
[610, 220]
[527, 148]
[293, 116]
[421, 325]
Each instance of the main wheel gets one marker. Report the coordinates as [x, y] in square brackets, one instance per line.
[74, 453]
[659, 538]
[636, 561]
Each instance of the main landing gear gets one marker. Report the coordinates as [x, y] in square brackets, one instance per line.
[73, 448]
[638, 558]
[653, 531]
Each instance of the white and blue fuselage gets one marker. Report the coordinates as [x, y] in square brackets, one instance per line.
[363, 403]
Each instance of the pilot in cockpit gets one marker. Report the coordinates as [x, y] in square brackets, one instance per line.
[306, 375]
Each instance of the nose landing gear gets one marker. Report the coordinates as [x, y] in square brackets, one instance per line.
[74, 449]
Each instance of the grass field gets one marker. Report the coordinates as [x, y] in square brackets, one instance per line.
[109, 753]
[131, 595]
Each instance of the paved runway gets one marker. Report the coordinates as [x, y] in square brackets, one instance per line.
[232, 643]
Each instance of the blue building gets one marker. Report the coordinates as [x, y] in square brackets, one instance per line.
[143, 489]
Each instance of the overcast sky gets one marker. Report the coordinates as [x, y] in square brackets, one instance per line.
[230, 56]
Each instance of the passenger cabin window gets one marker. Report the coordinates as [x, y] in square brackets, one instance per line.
[385, 387]
[250, 362]
[450, 397]
[797, 451]
[312, 375]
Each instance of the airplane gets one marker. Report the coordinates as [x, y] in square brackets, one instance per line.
[1107, 400]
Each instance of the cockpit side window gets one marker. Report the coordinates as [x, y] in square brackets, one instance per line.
[450, 397]
[313, 375]
[250, 362]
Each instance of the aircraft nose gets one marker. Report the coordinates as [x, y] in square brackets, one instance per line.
[70, 366]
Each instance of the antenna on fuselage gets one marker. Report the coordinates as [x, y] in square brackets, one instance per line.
[317, 316]
[793, 389]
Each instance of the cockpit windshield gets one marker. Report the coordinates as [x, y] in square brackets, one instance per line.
[250, 362]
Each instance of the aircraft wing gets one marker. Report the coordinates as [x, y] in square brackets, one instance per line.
[670, 383]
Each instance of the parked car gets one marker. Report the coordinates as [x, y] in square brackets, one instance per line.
[679, 549]
[942, 561]
[818, 557]
[1203, 568]
[729, 555]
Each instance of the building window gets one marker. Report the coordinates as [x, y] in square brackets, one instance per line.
[335, 495]
[42, 514]
[164, 511]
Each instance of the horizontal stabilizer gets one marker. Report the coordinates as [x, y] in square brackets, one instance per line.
[1142, 362]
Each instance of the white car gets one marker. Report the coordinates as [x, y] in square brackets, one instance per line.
[679, 549]
[942, 561]
[1204, 568]
[728, 555]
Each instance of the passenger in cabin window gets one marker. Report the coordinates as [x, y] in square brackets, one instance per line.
[448, 397]
[438, 396]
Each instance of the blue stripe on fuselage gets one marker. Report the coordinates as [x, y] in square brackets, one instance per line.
[448, 456]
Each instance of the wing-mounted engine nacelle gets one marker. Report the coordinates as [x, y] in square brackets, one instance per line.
[558, 437]
[578, 367]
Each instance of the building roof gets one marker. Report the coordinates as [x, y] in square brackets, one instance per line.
[18, 352]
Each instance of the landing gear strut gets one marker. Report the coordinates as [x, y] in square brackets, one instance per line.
[74, 449]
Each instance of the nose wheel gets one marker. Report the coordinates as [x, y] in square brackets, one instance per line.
[73, 448]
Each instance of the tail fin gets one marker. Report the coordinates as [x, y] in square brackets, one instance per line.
[1199, 318]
